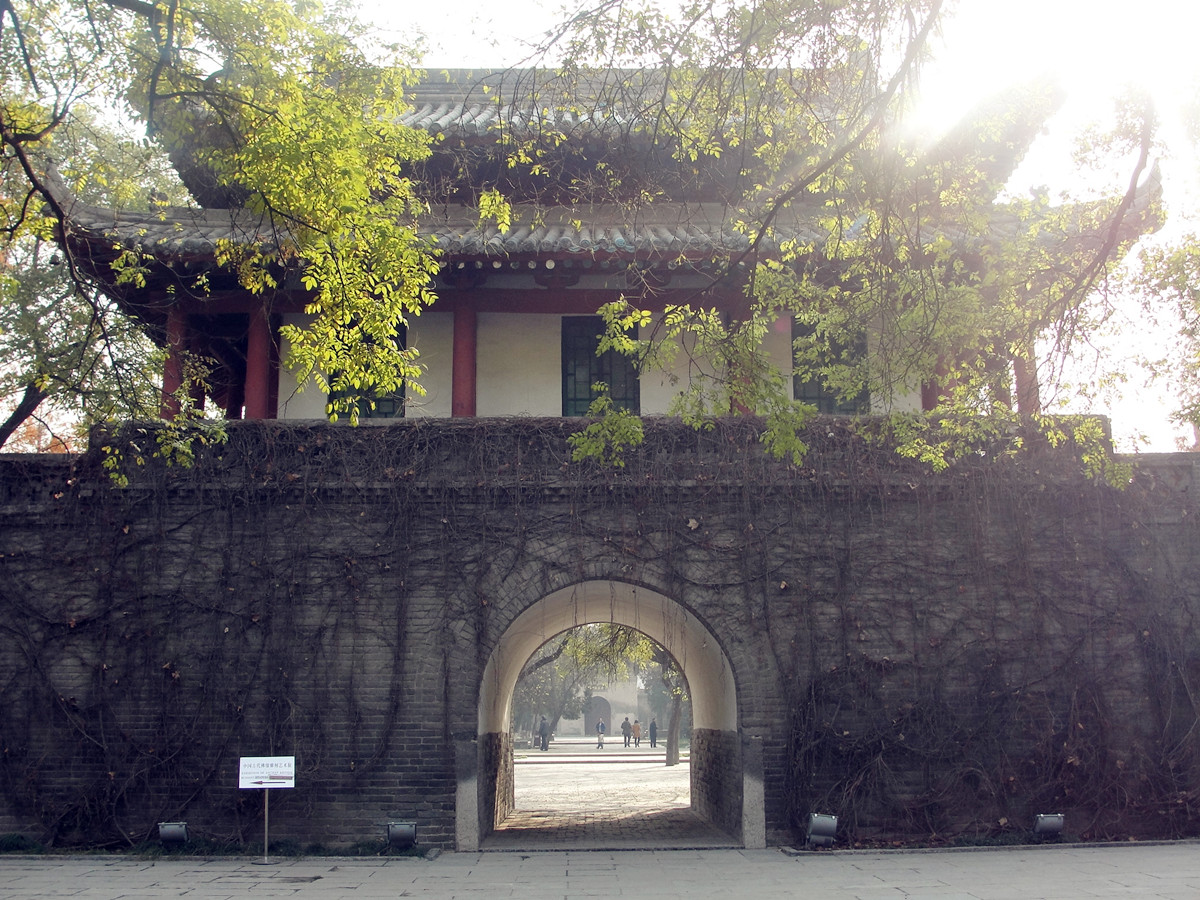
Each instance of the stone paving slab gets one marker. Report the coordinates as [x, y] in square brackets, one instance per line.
[537, 830]
[1155, 872]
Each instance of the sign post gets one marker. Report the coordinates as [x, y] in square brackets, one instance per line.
[264, 773]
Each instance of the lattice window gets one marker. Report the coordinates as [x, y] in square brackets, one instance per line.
[814, 391]
[582, 368]
[387, 406]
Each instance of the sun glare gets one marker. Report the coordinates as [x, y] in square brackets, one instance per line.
[1094, 49]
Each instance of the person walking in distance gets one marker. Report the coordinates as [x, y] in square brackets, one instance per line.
[599, 734]
[653, 732]
[626, 730]
[544, 733]
[637, 733]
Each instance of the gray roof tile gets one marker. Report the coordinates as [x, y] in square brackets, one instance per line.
[659, 231]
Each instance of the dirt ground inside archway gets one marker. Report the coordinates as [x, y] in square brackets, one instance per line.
[576, 796]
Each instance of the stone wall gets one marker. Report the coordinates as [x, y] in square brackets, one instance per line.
[933, 653]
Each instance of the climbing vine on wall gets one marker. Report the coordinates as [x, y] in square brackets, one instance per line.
[948, 654]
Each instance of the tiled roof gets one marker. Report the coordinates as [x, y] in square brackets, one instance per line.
[662, 231]
[669, 233]
[180, 233]
[472, 103]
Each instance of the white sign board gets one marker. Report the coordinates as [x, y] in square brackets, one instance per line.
[267, 772]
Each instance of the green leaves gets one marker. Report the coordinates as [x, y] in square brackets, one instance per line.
[83, 359]
[319, 151]
[917, 279]
[611, 436]
[281, 108]
[493, 207]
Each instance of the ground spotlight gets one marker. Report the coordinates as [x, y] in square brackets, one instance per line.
[1048, 824]
[822, 830]
[401, 835]
[173, 832]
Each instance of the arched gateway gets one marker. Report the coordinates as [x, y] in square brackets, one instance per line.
[726, 790]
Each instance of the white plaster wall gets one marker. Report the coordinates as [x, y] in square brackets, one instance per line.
[518, 368]
[657, 387]
[904, 403]
[659, 390]
[778, 345]
[293, 402]
[432, 334]
[623, 699]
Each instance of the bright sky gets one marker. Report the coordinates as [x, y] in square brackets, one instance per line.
[1093, 48]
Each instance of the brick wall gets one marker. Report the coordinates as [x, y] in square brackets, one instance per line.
[334, 594]
[716, 795]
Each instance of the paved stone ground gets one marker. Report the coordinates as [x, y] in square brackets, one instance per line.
[630, 796]
[577, 797]
[1146, 872]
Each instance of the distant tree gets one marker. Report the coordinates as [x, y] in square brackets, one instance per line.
[549, 686]
[669, 691]
[558, 681]
[34, 437]
[1166, 278]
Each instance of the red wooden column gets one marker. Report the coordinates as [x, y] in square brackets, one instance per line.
[173, 368]
[462, 399]
[258, 366]
[273, 374]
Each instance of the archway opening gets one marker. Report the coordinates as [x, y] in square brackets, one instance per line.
[592, 764]
[725, 789]
[601, 679]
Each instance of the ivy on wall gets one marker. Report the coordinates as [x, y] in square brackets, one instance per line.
[934, 656]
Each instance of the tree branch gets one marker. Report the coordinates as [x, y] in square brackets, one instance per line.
[29, 402]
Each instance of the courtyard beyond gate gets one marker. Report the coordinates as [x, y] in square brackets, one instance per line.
[577, 797]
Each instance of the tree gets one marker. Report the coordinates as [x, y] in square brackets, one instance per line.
[71, 358]
[283, 109]
[672, 692]
[549, 685]
[924, 277]
[764, 107]
[1171, 273]
[1169, 270]
[556, 683]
